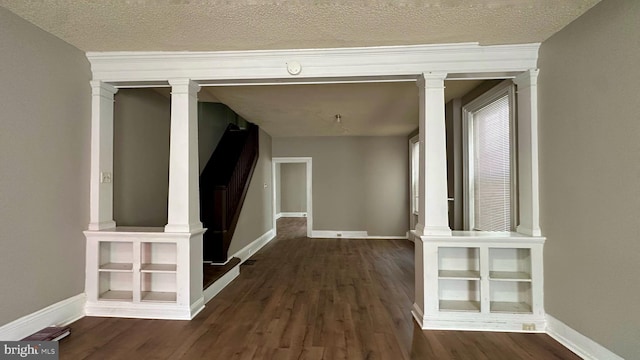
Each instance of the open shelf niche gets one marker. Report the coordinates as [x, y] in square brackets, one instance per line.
[459, 279]
[485, 281]
[144, 273]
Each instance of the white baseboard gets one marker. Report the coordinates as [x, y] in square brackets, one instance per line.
[221, 283]
[576, 342]
[337, 234]
[246, 252]
[145, 310]
[291, 215]
[60, 313]
[243, 254]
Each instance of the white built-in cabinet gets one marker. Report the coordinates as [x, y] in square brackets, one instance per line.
[143, 273]
[483, 281]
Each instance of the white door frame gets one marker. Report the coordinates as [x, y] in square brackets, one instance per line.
[294, 160]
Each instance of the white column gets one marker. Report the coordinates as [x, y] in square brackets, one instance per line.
[184, 201]
[433, 218]
[528, 187]
[101, 187]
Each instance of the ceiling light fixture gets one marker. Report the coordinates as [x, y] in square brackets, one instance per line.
[338, 118]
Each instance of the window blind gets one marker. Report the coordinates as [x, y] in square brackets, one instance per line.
[492, 167]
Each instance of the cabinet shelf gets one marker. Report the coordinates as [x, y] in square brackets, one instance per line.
[459, 274]
[116, 267]
[459, 305]
[158, 296]
[116, 295]
[509, 276]
[158, 268]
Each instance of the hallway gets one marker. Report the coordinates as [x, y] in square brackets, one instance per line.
[306, 299]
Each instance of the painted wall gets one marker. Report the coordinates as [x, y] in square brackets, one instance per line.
[256, 216]
[142, 127]
[142, 121]
[589, 170]
[213, 119]
[45, 123]
[359, 183]
[293, 187]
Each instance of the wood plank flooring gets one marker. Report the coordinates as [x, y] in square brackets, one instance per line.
[306, 299]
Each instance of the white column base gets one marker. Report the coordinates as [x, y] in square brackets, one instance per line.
[532, 232]
[183, 228]
[102, 225]
[422, 230]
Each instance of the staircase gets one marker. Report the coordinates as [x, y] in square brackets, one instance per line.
[223, 187]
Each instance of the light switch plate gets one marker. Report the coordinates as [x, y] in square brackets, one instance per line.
[105, 177]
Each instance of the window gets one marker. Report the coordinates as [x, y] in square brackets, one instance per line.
[490, 160]
[414, 147]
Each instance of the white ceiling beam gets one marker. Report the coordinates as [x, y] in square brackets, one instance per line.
[127, 69]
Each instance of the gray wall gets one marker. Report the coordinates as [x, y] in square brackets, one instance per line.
[213, 119]
[142, 127]
[142, 120]
[45, 120]
[359, 183]
[256, 216]
[293, 187]
[589, 174]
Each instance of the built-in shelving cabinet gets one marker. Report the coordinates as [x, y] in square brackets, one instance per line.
[483, 281]
[144, 273]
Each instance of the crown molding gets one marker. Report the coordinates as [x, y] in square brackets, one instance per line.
[385, 62]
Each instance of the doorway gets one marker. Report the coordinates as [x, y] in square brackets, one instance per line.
[295, 198]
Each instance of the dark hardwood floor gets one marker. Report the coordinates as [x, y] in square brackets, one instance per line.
[306, 299]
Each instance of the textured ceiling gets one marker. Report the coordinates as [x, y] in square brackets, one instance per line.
[138, 25]
[366, 109]
[371, 109]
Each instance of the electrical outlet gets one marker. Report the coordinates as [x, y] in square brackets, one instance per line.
[528, 327]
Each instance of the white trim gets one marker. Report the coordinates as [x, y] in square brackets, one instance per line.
[394, 237]
[61, 313]
[291, 215]
[318, 65]
[144, 310]
[309, 175]
[418, 315]
[338, 234]
[576, 342]
[247, 251]
[226, 279]
[243, 254]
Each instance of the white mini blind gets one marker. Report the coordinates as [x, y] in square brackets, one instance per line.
[492, 166]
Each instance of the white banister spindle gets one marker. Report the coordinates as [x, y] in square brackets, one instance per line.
[528, 187]
[101, 186]
[184, 202]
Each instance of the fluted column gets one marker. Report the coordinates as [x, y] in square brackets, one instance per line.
[433, 217]
[528, 186]
[101, 187]
[184, 201]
